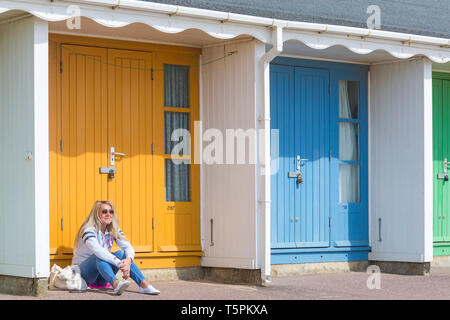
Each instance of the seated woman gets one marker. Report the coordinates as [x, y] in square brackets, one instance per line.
[98, 266]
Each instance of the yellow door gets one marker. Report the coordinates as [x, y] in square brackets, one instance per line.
[84, 136]
[130, 133]
[177, 211]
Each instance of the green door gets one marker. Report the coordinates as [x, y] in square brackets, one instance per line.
[441, 163]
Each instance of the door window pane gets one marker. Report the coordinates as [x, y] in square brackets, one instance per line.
[349, 183]
[178, 186]
[176, 126]
[348, 141]
[176, 86]
[348, 99]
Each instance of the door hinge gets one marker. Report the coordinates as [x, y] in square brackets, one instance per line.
[329, 155]
[62, 224]
[153, 223]
[61, 145]
[153, 148]
[329, 222]
[60, 66]
[152, 74]
[329, 88]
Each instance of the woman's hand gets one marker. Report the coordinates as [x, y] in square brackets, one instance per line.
[125, 267]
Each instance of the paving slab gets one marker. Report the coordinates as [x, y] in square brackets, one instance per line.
[336, 286]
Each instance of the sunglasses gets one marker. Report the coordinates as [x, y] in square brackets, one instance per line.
[104, 211]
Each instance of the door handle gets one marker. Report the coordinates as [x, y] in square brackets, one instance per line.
[113, 153]
[444, 175]
[299, 160]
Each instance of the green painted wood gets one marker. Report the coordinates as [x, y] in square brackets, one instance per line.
[441, 75]
[441, 150]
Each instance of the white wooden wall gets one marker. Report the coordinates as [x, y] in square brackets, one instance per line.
[24, 195]
[401, 171]
[230, 101]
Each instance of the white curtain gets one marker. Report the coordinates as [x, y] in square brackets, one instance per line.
[178, 181]
[348, 150]
[176, 86]
[176, 94]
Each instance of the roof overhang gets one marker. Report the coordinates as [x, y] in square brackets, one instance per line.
[199, 27]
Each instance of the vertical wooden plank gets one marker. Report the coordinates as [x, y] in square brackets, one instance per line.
[80, 146]
[90, 172]
[130, 112]
[53, 147]
[283, 189]
[124, 146]
[71, 210]
[438, 157]
[83, 102]
[445, 220]
[134, 150]
[143, 155]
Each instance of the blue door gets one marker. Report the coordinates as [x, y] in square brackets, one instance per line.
[301, 112]
[319, 192]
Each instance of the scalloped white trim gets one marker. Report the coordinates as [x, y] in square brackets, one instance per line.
[221, 25]
[364, 46]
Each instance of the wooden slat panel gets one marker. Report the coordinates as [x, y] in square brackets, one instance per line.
[130, 132]
[312, 129]
[84, 103]
[438, 157]
[283, 188]
[446, 106]
[54, 148]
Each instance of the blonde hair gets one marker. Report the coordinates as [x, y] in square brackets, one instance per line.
[93, 220]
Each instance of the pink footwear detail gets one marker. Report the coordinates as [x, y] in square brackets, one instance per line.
[106, 286]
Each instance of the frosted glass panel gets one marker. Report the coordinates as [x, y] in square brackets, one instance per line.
[176, 86]
[348, 99]
[348, 141]
[349, 183]
[178, 181]
[172, 122]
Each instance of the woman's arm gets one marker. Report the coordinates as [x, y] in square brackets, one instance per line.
[126, 246]
[100, 252]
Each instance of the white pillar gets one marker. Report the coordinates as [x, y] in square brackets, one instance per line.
[24, 155]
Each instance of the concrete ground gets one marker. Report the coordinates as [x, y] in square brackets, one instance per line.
[348, 286]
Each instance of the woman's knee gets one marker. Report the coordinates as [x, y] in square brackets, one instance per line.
[120, 254]
[99, 262]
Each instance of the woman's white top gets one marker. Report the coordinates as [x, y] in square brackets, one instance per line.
[96, 242]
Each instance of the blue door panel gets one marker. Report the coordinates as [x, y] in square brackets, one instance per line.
[312, 143]
[349, 219]
[282, 108]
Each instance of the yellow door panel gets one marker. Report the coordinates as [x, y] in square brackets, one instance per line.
[84, 135]
[130, 133]
[54, 146]
[177, 223]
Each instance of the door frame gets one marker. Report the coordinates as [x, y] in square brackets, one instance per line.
[154, 259]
